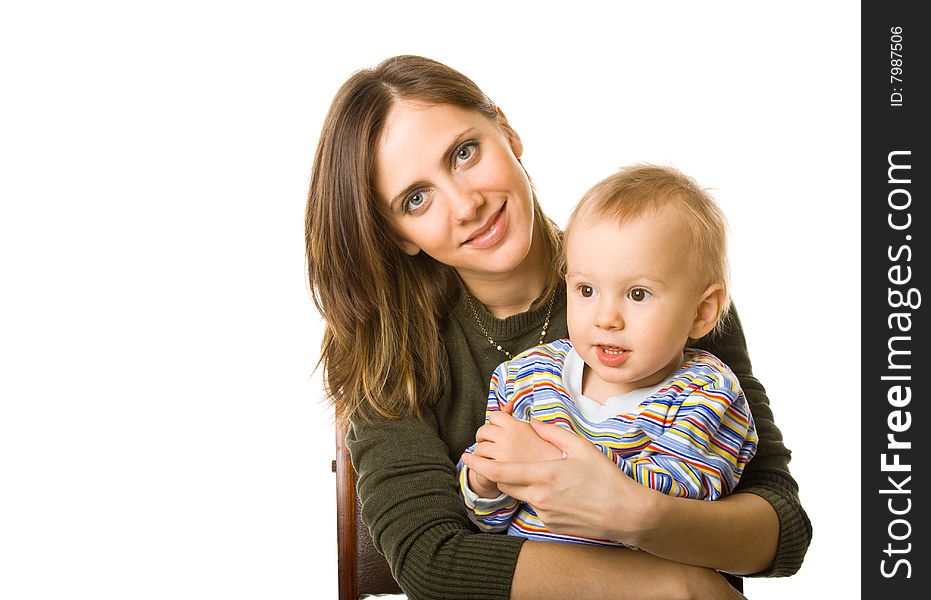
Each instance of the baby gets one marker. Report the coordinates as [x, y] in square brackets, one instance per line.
[646, 271]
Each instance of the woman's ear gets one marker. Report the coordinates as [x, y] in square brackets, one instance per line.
[709, 307]
[409, 247]
[517, 146]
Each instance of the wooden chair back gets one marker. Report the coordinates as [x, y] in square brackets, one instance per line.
[362, 569]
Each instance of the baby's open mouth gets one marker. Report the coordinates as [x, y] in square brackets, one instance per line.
[612, 356]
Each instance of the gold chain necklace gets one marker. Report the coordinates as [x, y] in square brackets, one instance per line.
[546, 323]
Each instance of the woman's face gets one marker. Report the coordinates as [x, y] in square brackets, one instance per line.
[455, 188]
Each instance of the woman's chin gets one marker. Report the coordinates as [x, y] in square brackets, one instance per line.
[506, 257]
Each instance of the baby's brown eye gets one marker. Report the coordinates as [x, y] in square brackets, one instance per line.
[586, 291]
[639, 294]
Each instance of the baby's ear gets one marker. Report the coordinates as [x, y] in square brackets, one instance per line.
[709, 308]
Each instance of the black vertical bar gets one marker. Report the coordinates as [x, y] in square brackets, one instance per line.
[895, 371]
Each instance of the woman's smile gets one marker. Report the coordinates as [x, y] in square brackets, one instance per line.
[491, 233]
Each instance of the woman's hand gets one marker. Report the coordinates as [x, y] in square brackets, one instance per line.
[581, 492]
[586, 494]
[506, 439]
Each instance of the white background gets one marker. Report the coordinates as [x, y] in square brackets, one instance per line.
[162, 434]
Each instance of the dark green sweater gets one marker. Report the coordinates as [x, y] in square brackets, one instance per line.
[407, 468]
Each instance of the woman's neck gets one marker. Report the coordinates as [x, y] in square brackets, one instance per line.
[506, 294]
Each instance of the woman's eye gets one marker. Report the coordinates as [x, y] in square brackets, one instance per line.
[413, 202]
[639, 295]
[586, 291]
[465, 152]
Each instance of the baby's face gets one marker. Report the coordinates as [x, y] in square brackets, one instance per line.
[632, 300]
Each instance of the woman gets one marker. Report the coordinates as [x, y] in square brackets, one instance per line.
[431, 261]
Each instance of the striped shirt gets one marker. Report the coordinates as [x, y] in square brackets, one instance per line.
[692, 438]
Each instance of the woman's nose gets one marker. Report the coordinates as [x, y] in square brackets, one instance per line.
[465, 202]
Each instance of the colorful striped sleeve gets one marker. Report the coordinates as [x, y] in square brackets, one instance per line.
[706, 440]
[489, 514]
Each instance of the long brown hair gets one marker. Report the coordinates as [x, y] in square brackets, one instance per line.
[382, 307]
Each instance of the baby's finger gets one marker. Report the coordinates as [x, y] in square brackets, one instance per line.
[487, 432]
[499, 419]
[485, 450]
[502, 419]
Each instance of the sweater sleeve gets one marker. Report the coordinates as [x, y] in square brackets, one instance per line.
[411, 504]
[767, 475]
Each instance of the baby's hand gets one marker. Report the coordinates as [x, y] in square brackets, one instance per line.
[507, 439]
[482, 486]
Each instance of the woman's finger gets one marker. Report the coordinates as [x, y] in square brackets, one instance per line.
[510, 473]
[567, 441]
